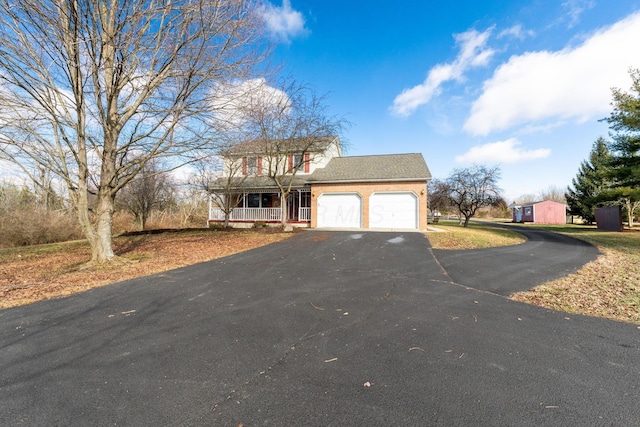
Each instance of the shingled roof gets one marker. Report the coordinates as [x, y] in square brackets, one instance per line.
[388, 167]
[258, 182]
[313, 144]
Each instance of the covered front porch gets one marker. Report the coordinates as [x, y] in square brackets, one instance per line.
[265, 206]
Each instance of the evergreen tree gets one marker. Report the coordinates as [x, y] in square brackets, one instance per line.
[624, 123]
[590, 182]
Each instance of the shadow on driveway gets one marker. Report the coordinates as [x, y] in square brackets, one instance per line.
[325, 328]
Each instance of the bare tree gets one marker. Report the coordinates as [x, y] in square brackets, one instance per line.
[553, 193]
[222, 181]
[93, 90]
[43, 186]
[438, 196]
[151, 189]
[191, 204]
[472, 188]
[527, 198]
[290, 126]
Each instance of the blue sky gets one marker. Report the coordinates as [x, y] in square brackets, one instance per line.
[520, 84]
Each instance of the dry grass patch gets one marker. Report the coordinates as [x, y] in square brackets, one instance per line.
[475, 236]
[607, 287]
[32, 274]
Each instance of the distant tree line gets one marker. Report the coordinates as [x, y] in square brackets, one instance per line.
[32, 213]
[29, 215]
[611, 174]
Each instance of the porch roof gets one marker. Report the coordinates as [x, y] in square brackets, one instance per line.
[254, 183]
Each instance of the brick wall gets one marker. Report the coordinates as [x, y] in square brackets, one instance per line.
[365, 190]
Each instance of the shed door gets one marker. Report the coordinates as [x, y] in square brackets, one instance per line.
[393, 210]
[339, 211]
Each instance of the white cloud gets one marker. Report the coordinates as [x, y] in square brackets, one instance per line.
[283, 21]
[232, 102]
[573, 84]
[502, 152]
[576, 8]
[516, 32]
[473, 53]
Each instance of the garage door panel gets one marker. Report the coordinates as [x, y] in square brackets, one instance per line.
[393, 210]
[339, 211]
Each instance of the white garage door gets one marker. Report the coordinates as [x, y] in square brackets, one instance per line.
[339, 211]
[393, 210]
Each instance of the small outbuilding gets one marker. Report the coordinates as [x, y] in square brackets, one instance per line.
[609, 218]
[545, 212]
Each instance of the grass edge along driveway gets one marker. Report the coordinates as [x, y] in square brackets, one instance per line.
[36, 273]
[607, 287]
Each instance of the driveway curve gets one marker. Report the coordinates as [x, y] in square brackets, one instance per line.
[504, 270]
[323, 329]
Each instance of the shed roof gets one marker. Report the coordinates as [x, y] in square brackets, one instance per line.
[387, 167]
[515, 205]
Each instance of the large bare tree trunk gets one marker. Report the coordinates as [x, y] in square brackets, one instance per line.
[102, 250]
[81, 203]
[93, 90]
[284, 209]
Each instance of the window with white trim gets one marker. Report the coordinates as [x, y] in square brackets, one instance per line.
[252, 165]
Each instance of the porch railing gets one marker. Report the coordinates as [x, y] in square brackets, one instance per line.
[304, 214]
[256, 214]
[247, 214]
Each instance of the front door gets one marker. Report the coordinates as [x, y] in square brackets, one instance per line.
[293, 202]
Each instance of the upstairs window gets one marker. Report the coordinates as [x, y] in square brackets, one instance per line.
[251, 165]
[299, 162]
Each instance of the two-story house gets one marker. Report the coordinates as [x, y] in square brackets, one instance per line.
[325, 189]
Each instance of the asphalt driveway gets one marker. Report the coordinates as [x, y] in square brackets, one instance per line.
[326, 328]
[506, 270]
